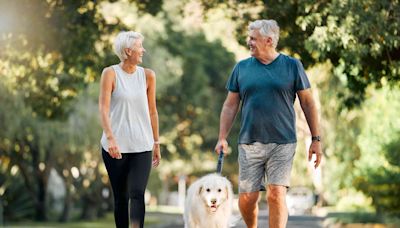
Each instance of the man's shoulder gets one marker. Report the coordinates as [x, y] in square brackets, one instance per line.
[289, 59]
[245, 62]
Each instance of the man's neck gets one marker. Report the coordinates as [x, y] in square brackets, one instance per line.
[268, 56]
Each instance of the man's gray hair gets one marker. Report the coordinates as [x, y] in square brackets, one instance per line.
[125, 39]
[267, 28]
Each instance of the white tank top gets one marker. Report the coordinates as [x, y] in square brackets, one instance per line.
[129, 113]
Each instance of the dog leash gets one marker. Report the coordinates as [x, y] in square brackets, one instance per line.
[220, 162]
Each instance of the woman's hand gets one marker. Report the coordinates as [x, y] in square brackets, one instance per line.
[156, 155]
[113, 149]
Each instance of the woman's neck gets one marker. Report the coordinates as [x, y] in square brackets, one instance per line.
[128, 67]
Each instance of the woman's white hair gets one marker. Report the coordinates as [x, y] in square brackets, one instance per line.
[125, 39]
[267, 28]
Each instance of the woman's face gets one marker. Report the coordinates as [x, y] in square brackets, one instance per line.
[136, 52]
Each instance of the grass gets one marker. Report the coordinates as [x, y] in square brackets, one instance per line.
[359, 217]
[154, 215]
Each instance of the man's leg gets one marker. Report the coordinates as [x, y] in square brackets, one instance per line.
[278, 212]
[248, 205]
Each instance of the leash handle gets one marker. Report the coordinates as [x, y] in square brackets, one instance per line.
[220, 162]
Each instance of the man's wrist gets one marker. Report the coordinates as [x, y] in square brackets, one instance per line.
[316, 138]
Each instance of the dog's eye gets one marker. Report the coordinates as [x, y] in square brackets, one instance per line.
[208, 190]
[219, 190]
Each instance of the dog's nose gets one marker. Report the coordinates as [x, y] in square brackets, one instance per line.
[213, 201]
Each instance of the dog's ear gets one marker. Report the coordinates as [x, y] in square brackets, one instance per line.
[200, 189]
[227, 192]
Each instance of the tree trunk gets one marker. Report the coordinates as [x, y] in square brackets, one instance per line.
[90, 207]
[164, 191]
[41, 213]
[64, 217]
[40, 203]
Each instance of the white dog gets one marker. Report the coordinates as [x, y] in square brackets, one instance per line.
[209, 203]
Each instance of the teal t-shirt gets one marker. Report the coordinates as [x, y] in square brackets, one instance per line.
[268, 92]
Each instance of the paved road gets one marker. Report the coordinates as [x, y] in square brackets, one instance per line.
[293, 222]
[175, 221]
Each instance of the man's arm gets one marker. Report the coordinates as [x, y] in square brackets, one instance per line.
[310, 111]
[228, 114]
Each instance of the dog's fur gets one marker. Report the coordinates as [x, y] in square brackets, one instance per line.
[209, 203]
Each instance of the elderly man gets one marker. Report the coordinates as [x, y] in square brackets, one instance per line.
[266, 84]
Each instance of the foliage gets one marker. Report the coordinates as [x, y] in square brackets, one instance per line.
[48, 56]
[15, 202]
[52, 57]
[19, 138]
[191, 106]
[363, 46]
[382, 183]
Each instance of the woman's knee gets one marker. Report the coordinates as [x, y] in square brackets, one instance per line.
[136, 194]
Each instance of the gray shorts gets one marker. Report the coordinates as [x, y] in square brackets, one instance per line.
[257, 161]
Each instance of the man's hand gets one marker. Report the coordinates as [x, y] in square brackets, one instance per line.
[222, 145]
[315, 148]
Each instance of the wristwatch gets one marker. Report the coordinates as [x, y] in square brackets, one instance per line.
[316, 138]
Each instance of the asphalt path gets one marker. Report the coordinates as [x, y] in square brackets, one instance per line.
[306, 221]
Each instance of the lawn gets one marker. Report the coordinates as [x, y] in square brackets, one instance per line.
[156, 215]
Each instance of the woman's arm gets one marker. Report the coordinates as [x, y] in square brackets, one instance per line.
[107, 84]
[151, 98]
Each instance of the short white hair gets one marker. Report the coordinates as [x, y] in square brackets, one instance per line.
[125, 39]
[267, 28]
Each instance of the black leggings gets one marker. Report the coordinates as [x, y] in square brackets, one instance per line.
[128, 177]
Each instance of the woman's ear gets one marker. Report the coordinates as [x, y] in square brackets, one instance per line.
[127, 52]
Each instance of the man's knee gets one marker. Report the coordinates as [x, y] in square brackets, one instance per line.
[276, 194]
[248, 198]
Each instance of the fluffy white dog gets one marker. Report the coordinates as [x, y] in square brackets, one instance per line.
[209, 203]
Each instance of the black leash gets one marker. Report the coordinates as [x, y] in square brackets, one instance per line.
[220, 162]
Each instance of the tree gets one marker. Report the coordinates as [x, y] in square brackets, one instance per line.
[48, 56]
[377, 169]
[190, 107]
[382, 183]
[363, 46]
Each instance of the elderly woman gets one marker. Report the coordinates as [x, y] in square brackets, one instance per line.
[129, 118]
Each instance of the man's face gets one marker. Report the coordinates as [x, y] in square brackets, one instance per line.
[257, 43]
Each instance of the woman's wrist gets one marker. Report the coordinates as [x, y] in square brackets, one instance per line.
[156, 142]
[110, 137]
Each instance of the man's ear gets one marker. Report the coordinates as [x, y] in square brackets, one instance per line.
[268, 41]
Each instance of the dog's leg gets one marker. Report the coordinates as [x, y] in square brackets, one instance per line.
[191, 224]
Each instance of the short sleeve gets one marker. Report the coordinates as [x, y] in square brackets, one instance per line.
[301, 81]
[232, 84]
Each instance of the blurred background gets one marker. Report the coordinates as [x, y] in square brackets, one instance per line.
[52, 53]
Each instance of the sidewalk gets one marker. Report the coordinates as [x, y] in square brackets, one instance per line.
[293, 222]
[176, 221]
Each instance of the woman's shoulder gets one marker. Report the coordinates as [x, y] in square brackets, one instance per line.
[109, 70]
[149, 73]
[108, 74]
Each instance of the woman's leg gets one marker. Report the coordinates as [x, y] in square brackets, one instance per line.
[139, 170]
[117, 170]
